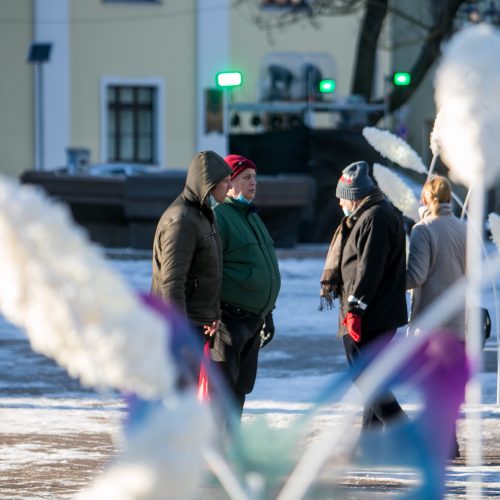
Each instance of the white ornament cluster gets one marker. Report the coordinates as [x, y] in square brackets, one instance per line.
[468, 97]
[395, 149]
[397, 191]
[74, 308]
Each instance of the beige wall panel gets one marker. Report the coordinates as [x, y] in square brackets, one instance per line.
[16, 88]
[122, 40]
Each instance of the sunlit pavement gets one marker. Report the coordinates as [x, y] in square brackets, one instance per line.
[56, 436]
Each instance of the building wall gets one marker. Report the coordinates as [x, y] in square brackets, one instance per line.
[161, 43]
[133, 42]
[16, 88]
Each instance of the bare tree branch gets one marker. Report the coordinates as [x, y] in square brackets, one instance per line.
[364, 66]
[429, 53]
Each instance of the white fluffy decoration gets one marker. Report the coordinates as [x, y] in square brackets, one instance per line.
[435, 139]
[73, 306]
[397, 191]
[395, 149]
[494, 220]
[468, 97]
[163, 458]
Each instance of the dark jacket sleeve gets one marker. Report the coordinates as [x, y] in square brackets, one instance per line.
[178, 243]
[373, 246]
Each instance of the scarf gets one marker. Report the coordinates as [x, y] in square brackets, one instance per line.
[331, 279]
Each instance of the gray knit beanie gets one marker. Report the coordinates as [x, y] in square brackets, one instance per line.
[355, 183]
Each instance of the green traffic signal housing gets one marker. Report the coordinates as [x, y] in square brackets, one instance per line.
[401, 79]
[226, 79]
[326, 86]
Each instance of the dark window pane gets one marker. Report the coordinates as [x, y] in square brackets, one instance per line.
[111, 94]
[130, 124]
[145, 122]
[126, 95]
[127, 121]
[145, 95]
[111, 148]
[144, 150]
[111, 122]
[288, 4]
[126, 148]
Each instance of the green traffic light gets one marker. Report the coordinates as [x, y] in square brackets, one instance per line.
[402, 79]
[327, 86]
[228, 79]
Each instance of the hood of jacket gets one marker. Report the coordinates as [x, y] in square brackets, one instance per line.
[206, 169]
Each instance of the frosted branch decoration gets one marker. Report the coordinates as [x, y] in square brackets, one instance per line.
[435, 139]
[468, 95]
[395, 149]
[494, 220]
[397, 191]
[74, 308]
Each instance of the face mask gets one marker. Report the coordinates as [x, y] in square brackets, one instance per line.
[346, 211]
[212, 201]
[241, 198]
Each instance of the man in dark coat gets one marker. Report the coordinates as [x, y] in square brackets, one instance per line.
[366, 268]
[250, 281]
[187, 257]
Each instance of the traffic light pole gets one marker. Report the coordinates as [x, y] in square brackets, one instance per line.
[226, 94]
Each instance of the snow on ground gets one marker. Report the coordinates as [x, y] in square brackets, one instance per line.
[56, 436]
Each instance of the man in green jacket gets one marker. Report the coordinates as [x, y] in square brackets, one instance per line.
[250, 281]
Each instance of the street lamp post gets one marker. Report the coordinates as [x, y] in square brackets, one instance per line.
[38, 54]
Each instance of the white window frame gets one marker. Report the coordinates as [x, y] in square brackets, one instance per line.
[159, 116]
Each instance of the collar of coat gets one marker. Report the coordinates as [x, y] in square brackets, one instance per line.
[204, 209]
[248, 208]
[443, 209]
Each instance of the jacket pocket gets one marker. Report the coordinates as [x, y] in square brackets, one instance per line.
[191, 287]
[233, 311]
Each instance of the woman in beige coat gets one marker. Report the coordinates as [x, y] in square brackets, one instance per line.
[436, 258]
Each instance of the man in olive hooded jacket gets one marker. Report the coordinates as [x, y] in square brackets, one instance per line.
[187, 257]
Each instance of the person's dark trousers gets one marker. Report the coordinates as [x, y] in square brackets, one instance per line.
[236, 350]
[385, 407]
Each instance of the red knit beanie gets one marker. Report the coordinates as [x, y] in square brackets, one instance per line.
[238, 164]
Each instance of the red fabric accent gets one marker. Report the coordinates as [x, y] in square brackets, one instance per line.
[353, 324]
[203, 394]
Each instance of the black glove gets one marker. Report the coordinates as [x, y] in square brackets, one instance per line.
[267, 332]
